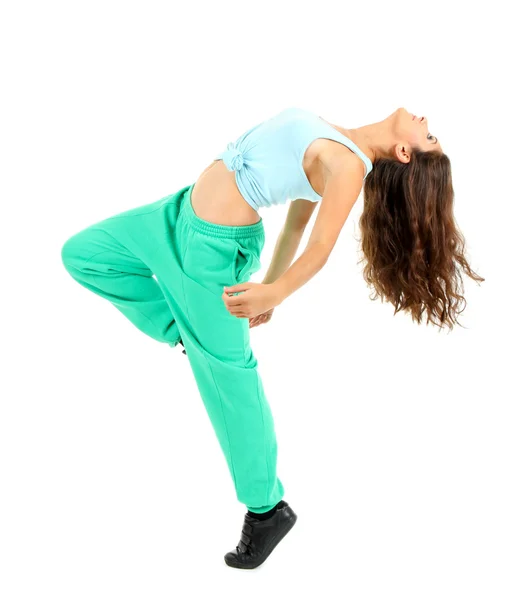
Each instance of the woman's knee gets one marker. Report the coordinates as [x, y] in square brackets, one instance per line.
[76, 249]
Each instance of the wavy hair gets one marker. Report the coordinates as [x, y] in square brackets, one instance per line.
[411, 244]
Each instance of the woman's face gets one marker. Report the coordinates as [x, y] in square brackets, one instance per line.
[413, 130]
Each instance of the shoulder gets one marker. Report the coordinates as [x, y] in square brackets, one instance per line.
[335, 157]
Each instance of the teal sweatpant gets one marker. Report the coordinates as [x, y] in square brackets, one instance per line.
[192, 260]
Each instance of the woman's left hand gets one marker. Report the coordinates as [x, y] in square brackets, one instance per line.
[256, 298]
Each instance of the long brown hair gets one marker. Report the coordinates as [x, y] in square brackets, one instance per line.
[412, 246]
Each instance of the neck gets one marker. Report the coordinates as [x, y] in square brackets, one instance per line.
[375, 140]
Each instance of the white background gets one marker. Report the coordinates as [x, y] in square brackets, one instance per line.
[400, 448]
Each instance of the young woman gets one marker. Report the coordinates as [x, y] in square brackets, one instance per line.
[204, 242]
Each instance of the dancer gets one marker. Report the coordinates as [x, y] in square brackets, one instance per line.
[204, 242]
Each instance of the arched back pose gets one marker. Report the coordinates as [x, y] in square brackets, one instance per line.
[204, 242]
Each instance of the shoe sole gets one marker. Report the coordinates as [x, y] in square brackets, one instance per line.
[289, 524]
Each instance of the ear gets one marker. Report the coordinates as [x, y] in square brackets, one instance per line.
[401, 153]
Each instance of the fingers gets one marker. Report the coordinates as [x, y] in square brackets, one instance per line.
[237, 308]
[232, 300]
[260, 319]
[238, 312]
[235, 301]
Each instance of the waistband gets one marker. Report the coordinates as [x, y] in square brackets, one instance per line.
[214, 229]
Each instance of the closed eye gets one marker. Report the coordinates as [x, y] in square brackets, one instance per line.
[431, 137]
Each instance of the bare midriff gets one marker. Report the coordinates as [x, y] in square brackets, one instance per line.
[217, 199]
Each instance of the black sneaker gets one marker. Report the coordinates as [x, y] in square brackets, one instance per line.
[259, 538]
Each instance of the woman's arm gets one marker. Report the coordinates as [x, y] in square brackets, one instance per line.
[283, 254]
[340, 194]
[299, 214]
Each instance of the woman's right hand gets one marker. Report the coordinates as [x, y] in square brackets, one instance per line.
[262, 318]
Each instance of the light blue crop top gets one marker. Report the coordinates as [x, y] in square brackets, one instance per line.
[268, 158]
